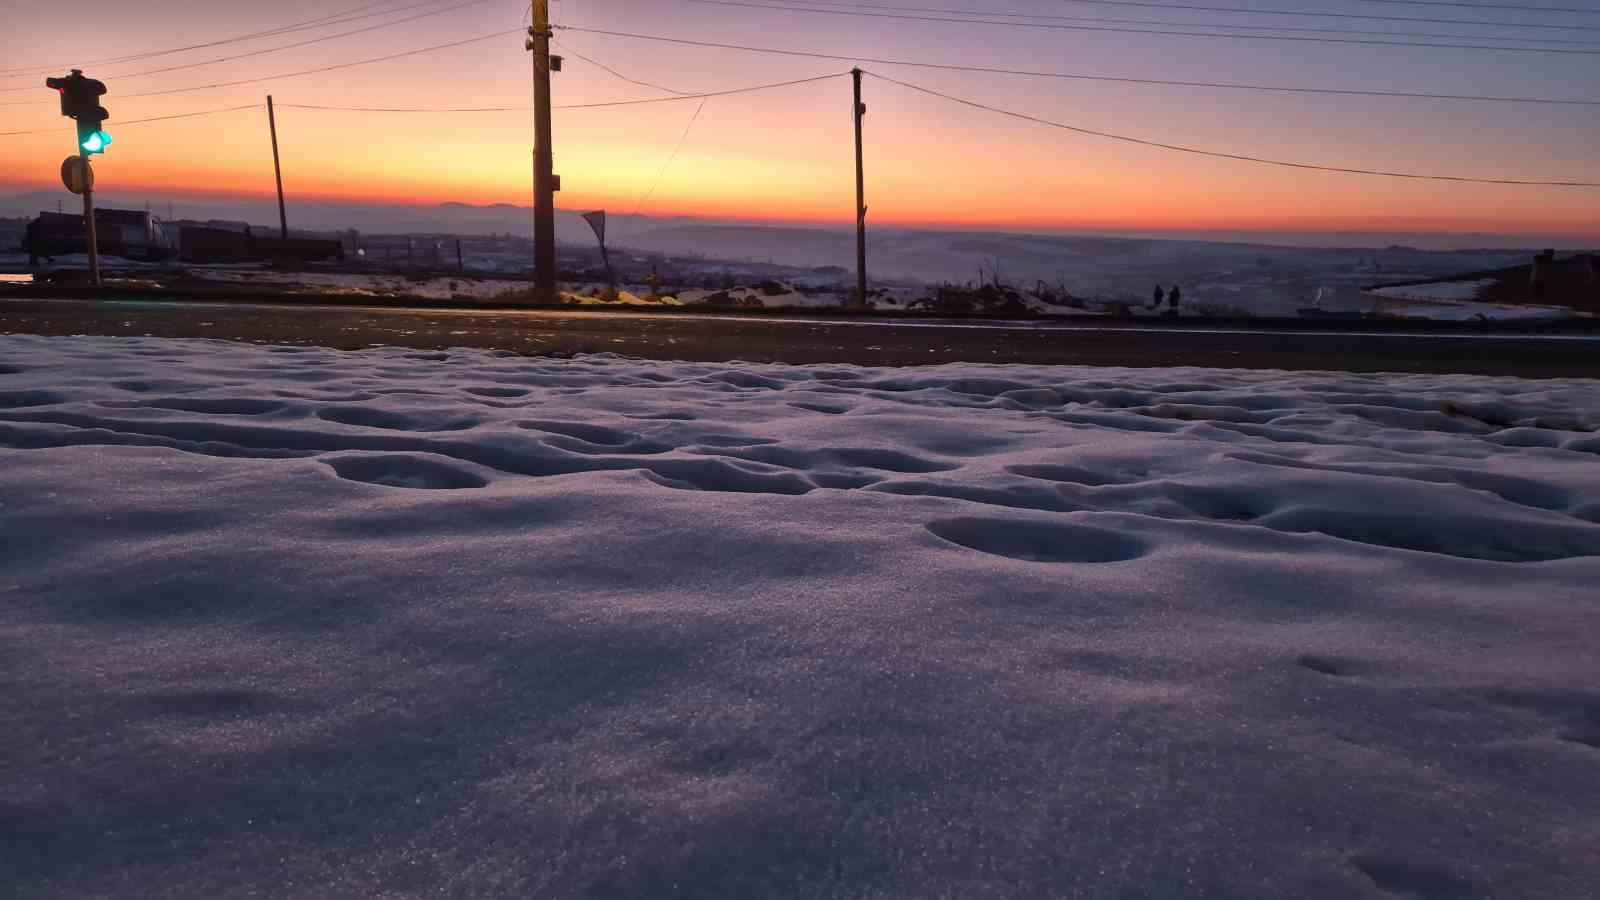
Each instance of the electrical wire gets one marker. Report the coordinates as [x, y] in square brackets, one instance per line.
[706, 94]
[406, 109]
[339, 18]
[1234, 26]
[994, 70]
[1240, 10]
[264, 51]
[188, 115]
[1167, 32]
[1548, 9]
[1221, 155]
[402, 55]
[601, 65]
[599, 105]
[683, 139]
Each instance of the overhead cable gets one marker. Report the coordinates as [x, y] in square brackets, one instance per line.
[597, 105]
[333, 68]
[188, 115]
[1229, 25]
[995, 70]
[1516, 7]
[1222, 155]
[1244, 10]
[1153, 31]
[321, 22]
[278, 49]
[600, 65]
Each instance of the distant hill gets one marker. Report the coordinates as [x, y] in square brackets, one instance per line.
[1087, 263]
[452, 217]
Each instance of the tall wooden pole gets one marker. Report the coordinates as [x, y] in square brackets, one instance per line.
[277, 169]
[544, 196]
[861, 200]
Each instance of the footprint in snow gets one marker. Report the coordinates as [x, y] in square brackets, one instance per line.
[1049, 542]
[403, 471]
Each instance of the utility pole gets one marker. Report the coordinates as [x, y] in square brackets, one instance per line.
[861, 200]
[277, 168]
[544, 179]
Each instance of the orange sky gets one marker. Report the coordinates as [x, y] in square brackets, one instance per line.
[787, 154]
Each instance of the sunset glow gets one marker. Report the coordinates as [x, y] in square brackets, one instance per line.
[785, 154]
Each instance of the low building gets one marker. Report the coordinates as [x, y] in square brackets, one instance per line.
[132, 234]
[200, 245]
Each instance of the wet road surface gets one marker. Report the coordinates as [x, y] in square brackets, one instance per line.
[802, 340]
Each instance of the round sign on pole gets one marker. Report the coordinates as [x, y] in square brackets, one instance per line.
[77, 175]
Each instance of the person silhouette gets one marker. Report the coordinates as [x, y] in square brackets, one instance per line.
[1160, 295]
[1173, 296]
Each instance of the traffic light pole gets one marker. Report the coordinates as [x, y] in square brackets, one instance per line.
[544, 198]
[90, 231]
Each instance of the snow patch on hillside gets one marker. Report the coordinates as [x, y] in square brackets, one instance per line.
[1443, 290]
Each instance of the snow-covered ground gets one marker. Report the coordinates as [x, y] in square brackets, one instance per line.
[1453, 301]
[287, 621]
[1438, 290]
[1468, 312]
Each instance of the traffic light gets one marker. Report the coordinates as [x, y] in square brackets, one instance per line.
[91, 138]
[80, 100]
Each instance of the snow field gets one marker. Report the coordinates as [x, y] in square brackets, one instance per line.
[290, 621]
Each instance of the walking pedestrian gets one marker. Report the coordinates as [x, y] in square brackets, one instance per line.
[1160, 295]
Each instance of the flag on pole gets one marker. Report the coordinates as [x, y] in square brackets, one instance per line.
[597, 221]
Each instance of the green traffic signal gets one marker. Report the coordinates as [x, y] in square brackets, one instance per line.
[80, 101]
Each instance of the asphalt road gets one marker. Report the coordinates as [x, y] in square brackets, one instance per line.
[767, 338]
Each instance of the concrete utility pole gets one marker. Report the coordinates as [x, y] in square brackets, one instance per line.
[277, 169]
[544, 179]
[861, 200]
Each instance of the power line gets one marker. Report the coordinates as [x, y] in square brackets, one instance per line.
[683, 139]
[1240, 10]
[1221, 155]
[598, 105]
[264, 51]
[1168, 32]
[333, 68]
[1234, 26]
[339, 18]
[601, 65]
[407, 109]
[316, 40]
[701, 96]
[479, 109]
[994, 70]
[1549, 9]
[189, 115]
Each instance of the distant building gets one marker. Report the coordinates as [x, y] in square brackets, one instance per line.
[203, 244]
[129, 233]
